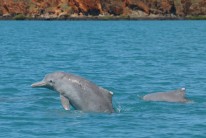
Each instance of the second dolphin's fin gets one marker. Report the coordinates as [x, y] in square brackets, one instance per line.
[181, 92]
[65, 102]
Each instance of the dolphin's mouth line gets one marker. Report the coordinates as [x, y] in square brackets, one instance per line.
[38, 84]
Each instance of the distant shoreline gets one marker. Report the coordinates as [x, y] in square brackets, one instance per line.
[102, 10]
[104, 18]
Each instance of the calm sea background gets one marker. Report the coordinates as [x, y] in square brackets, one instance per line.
[129, 58]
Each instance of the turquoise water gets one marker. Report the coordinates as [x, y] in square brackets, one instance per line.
[130, 58]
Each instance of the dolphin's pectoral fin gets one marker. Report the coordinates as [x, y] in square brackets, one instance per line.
[65, 102]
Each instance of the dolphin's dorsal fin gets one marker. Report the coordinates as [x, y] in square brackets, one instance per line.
[106, 93]
[181, 92]
[65, 102]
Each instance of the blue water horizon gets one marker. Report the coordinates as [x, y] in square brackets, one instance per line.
[129, 58]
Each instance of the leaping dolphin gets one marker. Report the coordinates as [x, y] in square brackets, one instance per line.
[170, 96]
[78, 92]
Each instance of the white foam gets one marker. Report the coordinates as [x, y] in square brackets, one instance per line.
[183, 89]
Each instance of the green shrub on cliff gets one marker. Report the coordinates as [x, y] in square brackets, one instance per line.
[200, 17]
[67, 8]
[19, 17]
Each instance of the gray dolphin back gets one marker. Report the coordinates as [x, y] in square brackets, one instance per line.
[170, 96]
[87, 96]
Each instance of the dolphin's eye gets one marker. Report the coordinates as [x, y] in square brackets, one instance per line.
[50, 81]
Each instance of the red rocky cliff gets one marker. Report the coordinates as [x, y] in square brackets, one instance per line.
[136, 8]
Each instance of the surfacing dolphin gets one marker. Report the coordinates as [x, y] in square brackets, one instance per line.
[78, 92]
[170, 96]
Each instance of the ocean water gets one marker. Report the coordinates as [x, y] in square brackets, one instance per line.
[129, 58]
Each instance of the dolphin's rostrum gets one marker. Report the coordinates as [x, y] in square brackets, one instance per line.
[78, 92]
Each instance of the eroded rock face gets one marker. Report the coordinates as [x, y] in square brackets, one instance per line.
[114, 7]
[161, 7]
[138, 5]
[92, 7]
[57, 8]
[183, 7]
[11, 7]
[198, 8]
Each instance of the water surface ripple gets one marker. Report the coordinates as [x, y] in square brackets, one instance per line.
[130, 58]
